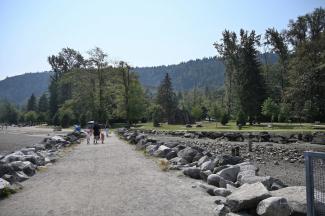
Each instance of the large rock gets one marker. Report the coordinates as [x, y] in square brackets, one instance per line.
[265, 180]
[192, 172]
[296, 197]
[230, 173]
[16, 156]
[178, 160]
[162, 151]
[273, 206]
[202, 160]
[222, 192]
[207, 188]
[227, 159]
[213, 179]
[27, 167]
[221, 210]
[319, 138]
[142, 144]
[171, 144]
[245, 174]
[204, 174]
[172, 154]
[3, 184]
[247, 196]
[187, 154]
[20, 176]
[5, 169]
[208, 165]
[150, 149]
[238, 214]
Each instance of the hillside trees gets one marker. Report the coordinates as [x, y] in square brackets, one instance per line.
[32, 103]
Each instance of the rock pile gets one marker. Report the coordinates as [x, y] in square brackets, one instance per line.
[234, 181]
[315, 137]
[21, 165]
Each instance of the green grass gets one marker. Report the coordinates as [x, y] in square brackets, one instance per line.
[231, 126]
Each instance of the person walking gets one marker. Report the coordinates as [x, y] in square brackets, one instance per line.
[106, 130]
[102, 136]
[88, 132]
[96, 131]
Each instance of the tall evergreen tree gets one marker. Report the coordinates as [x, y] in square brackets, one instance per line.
[166, 98]
[43, 103]
[31, 103]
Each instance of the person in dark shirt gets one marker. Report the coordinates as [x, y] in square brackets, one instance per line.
[96, 130]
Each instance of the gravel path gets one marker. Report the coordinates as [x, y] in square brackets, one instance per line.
[110, 180]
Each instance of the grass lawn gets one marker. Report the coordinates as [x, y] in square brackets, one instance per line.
[231, 126]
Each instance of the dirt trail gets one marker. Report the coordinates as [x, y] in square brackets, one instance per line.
[110, 179]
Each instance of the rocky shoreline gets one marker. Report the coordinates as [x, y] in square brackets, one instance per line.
[20, 165]
[233, 180]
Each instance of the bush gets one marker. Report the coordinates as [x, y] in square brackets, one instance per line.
[224, 119]
[241, 118]
[31, 117]
[156, 113]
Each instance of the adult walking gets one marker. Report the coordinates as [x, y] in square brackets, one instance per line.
[96, 131]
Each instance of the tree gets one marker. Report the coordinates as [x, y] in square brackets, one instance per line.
[224, 118]
[156, 114]
[65, 61]
[215, 112]
[166, 98]
[8, 113]
[98, 61]
[31, 104]
[278, 42]
[43, 103]
[270, 109]
[31, 117]
[229, 51]
[126, 82]
[196, 112]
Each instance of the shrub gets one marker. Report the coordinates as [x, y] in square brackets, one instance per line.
[224, 119]
[164, 164]
[241, 118]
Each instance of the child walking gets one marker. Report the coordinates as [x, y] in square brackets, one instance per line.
[102, 136]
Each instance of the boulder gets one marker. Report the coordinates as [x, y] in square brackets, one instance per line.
[204, 174]
[192, 172]
[273, 206]
[265, 180]
[171, 154]
[202, 160]
[247, 196]
[3, 184]
[5, 169]
[207, 188]
[187, 154]
[230, 173]
[20, 176]
[221, 210]
[227, 159]
[16, 156]
[245, 174]
[8, 178]
[142, 144]
[162, 151]
[150, 149]
[27, 167]
[178, 160]
[171, 144]
[221, 192]
[296, 197]
[213, 179]
[220, 200]
[208, 165]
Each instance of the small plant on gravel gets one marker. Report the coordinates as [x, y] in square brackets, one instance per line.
[5, 192]
[164, 165]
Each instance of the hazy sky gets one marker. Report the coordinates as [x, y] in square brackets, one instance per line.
[141, 32]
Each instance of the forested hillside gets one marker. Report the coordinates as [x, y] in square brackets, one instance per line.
[19, 88]
[187, 75]
[206, 72]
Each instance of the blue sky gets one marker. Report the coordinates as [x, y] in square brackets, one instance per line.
[141, 32]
